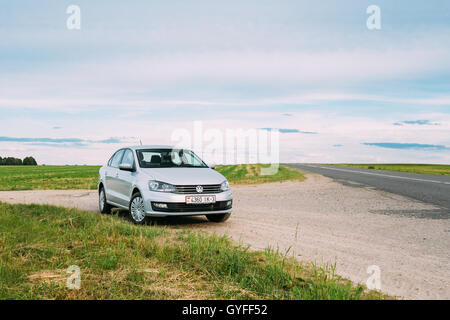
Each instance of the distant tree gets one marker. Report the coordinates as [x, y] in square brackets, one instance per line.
[29, 161]
[10, 161]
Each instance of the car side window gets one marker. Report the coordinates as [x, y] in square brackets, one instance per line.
[128, 158]
[110, 160]
[116, 159]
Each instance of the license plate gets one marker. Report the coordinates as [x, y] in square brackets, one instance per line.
[200, 199]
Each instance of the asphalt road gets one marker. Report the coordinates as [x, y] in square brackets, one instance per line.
[427, 188]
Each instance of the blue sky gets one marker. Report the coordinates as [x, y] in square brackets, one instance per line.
[138, 70]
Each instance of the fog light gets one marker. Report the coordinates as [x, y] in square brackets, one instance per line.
[160, 205]
[229, 203]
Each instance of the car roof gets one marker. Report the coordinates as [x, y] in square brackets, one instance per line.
[153, 147]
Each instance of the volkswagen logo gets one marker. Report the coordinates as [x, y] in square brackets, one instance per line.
[199, 189]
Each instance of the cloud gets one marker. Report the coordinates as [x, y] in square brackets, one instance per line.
[406, 146]
[57, 145]
[417, 122]
[125, 81]
[288, 130]
[98, 101]
[111, 140]
[41, 140]
[76, 142]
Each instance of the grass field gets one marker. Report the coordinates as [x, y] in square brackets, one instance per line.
[440, 170]
[119, 260]
[86, 177]
[48, 177]
[251, 173]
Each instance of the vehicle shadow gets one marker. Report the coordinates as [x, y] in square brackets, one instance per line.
[166, 221]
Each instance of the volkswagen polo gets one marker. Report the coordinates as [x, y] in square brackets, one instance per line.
[160, 181]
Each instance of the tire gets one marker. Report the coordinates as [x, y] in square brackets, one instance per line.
[103, 206]
[137, 210]
[218, 217]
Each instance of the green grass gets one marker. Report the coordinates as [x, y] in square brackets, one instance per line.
[434, 169]
[251, 174]
[86, 177]
[48, 177]
[119, 260]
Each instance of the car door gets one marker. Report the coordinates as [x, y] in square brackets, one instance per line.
[111, 177]
[125, 178]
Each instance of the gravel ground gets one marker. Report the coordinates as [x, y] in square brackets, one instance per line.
[324, 221]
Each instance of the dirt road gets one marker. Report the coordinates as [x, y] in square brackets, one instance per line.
[327, 222]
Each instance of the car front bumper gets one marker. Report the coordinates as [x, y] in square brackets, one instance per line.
[176, 204]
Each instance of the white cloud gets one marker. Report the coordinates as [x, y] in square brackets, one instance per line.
[120, 78]
[333, 128]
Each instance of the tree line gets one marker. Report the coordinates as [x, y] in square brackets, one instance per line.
[10, 161]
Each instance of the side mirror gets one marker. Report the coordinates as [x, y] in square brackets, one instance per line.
[212, 166]
[126, 167]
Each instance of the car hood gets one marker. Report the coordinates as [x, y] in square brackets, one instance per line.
[185, 176]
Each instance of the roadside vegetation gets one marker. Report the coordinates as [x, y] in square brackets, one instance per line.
[251, 174]
[434, 169]
[48, 177]
[86, 177]
[119, 260]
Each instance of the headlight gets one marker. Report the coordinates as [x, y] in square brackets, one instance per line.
[159, 186]
[225, 186]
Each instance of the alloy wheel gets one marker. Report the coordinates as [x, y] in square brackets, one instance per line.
[137, 209]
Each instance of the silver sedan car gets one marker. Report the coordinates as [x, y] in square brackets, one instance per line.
[159, 181]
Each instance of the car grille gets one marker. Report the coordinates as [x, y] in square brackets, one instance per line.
[183, 207]
[191, 189]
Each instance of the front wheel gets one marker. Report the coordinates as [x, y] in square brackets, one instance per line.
[103, 206]
[218, 217]
[137, 209]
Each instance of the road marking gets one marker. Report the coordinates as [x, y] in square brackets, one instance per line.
[378, 174]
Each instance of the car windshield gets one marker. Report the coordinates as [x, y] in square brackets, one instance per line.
[169, 158]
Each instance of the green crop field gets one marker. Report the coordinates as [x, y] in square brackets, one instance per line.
[86, 177]
[48, 177]
[434, 169]
[251, 173]
[119, 260]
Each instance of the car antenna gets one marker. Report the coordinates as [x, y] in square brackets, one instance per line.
[140, 141]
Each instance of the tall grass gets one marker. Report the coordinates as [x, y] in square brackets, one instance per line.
[434, 169]
[119, 260]
[251, 173]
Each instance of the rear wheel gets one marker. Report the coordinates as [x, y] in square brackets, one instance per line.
[218, 217]
[137, 209]
[103, 206]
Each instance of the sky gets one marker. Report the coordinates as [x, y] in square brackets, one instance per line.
[140, 71]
